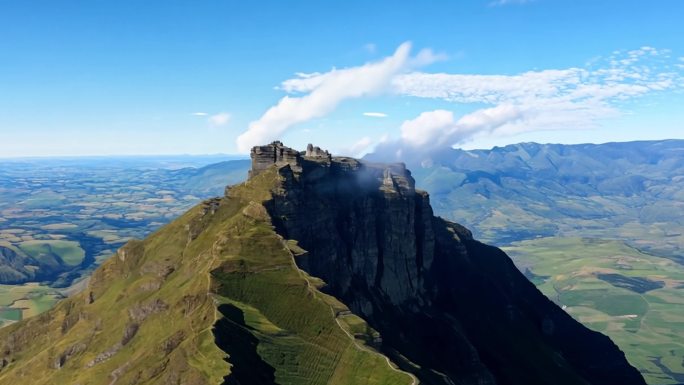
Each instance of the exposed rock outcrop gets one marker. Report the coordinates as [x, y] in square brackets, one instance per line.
[316, 152]
[140, 312]
[458, 309]
[275, 153]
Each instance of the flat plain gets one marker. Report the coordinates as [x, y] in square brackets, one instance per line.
[632, 296]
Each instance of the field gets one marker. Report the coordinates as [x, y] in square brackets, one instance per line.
[21, 301]
[60, 218]
[633, 297]
[70, 252]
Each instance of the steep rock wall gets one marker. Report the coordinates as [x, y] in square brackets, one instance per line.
[450, 309]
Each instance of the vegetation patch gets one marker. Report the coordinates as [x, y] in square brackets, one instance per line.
[636, 284]
[632, 296]
[69, 252]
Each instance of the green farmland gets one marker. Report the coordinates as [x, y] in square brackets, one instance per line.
[633, 297]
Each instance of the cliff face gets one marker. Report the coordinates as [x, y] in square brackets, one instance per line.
[449, 309]
[374, 234]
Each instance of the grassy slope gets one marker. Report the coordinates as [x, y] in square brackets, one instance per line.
[645, 325]
[21, 301]
[164, 288]
[69, 251]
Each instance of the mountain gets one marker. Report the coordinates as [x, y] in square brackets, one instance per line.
[630, 190]
[210, 180]
[597, 227]
[316, 270]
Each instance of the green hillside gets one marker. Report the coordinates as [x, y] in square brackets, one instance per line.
[149, 313]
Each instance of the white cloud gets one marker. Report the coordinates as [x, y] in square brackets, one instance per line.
[427, 57]
[308, 82]
[536, 100]
[370, 48]
[428, 125]
[220, 119]
[304, 82]
[324, 91]
[358, 148]
[438, 128]
[550, 99]
[199, 114]
[375, 114]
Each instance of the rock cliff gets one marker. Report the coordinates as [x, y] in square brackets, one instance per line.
[449, 308]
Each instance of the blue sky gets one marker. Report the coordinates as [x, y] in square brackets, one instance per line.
[172, 77]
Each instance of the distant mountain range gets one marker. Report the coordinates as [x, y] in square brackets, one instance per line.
[632, 190]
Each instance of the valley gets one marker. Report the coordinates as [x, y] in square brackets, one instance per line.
[60, 218]
[634, 297]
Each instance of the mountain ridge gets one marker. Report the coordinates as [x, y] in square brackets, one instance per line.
[525, 190]
[223, 282]
[309, 199]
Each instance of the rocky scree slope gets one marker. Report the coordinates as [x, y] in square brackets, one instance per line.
[382, 292]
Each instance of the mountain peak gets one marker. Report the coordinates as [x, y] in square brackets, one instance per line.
[316, 164]
[316, 270]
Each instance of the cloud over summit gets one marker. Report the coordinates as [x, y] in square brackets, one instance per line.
[502, 105]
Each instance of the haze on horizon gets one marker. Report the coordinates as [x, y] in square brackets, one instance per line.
[127, 78]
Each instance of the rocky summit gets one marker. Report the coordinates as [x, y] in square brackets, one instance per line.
[316, 270]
